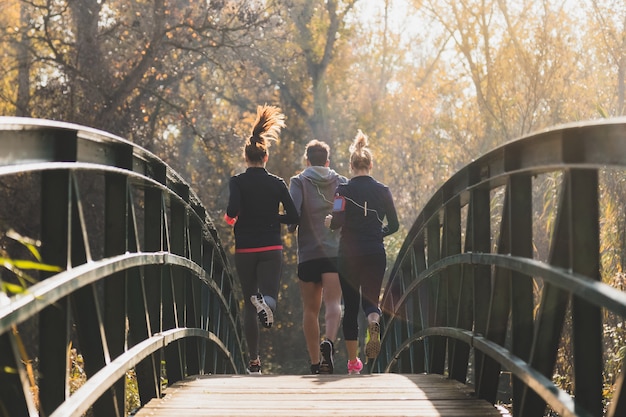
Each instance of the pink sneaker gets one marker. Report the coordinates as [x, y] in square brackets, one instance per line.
[355, 367]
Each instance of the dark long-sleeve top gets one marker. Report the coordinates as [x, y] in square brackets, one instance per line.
[255, 198]
[367, 204]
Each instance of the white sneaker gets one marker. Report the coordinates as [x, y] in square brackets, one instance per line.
[266, 316]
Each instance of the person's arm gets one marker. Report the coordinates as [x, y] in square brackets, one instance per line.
[234, 203]
[392, 216]
[295, 190]
[290, 215]
[339, 212]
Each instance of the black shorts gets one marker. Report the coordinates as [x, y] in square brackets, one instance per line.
[311, 271]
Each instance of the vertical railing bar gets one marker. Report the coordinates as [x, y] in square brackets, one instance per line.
[86, 306]
[553, 305]
[149, 373]
[421, 305]
[176, 352]
[138, 314]
[436, 345]
[53, 320]
[115, 286]
[521, 244]
[499, 308]
[479, 235]
[586, 318]
[193, 297]
[458, 352]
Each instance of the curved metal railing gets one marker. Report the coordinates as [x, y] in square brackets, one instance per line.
[471, 296]
[144, 283]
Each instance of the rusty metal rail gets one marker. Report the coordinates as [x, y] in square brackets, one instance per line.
[472, 296]
[144, 283]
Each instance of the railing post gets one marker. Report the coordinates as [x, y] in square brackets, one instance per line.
[553, 304]
[208, 304]
[586, 318]
[149, 371]
[437, 291]
[192, 295]
[458, 352]
[86, 305]
[520, 213]
[499, 309]
[116, 243]
[419, 308]
[174, 315]
[479, 239]
[55, 235]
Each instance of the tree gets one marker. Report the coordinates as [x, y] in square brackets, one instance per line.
[518, 57]
[608, 29]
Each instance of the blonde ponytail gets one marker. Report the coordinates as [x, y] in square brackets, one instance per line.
[360, 154]
[269, 121]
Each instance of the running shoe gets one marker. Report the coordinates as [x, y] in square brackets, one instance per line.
[327, 364]
[372, 347]
[355, 367]
[254, 367]
[266, 316]
[315, 369]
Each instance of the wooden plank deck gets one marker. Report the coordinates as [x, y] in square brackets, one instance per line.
[319, 395]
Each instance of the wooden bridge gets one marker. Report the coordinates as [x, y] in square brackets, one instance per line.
[473, 302]
[320, 395]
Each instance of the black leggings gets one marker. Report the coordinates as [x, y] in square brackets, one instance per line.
[361, 278]
[258, 272]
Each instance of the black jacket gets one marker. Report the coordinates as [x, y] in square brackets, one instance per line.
[255, 198]
[366, 203]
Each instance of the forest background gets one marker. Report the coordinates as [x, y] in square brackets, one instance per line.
[434, 83]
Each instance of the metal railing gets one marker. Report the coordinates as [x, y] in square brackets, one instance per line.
[144, 283]
[471, 296]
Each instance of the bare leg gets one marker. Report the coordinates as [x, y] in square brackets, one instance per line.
[311, 294]
[332, 304]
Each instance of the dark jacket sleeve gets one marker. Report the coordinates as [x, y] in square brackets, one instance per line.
[392, 216]
[234, 199]
[290, 216]
[295, 190]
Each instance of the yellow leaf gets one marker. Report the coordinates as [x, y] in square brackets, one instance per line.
[9, 370]
[12, 288]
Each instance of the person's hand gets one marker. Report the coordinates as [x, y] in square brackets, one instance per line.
[327, 220]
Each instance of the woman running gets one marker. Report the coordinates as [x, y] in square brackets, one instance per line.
[253, 209]
[360, 206]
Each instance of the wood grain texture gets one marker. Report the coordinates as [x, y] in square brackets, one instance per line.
[323, 395]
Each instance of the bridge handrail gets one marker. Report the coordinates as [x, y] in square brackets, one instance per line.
[151, 291]
[449, 294]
